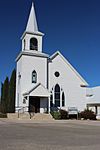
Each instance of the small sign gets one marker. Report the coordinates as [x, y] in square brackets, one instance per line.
[72, 111]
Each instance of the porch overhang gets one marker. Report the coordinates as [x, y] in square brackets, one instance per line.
[38, 91]
[93, 105]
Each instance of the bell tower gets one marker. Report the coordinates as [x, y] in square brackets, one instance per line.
[32, 38]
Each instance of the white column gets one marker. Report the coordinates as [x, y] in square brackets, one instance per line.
[27, 104]
[49, 104]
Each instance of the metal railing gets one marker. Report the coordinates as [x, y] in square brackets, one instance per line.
[22, 110]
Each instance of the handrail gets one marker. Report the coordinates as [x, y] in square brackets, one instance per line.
[22, 110]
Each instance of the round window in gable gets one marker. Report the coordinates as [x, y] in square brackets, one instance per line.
[57, 74]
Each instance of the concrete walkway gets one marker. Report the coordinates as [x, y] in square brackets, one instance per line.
[76, 122]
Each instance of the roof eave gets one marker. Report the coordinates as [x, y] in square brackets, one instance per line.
[31, 54]
[32, 33]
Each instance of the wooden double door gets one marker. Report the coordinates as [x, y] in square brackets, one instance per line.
[34, 104]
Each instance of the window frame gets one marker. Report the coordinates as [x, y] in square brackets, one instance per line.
[63, 99]
[34, 76]
[34, 44]
[57, 95]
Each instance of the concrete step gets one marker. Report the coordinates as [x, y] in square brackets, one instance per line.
[26, 116]
[16, 116]
[12, 115]
[39, 116]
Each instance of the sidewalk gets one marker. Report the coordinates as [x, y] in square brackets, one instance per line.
[76, 122]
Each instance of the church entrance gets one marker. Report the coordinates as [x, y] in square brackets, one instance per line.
[34, 104]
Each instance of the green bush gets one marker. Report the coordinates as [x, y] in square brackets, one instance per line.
[3, 115]
[64, 114]
[0, 108]
[87, 114]
[56, 115]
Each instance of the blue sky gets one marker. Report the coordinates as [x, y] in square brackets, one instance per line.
[70, 26]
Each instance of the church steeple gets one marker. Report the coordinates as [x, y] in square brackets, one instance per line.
[32, 22]
[32, 38]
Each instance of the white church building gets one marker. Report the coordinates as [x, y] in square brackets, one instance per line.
[45, 82]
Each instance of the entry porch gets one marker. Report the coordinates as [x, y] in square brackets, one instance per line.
[38, 99]
[38, 104]
[94, 107]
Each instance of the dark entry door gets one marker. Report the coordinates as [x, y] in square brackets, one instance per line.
[34, 104]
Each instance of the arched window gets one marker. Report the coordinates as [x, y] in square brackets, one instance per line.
[24, 44]
[63, 99]
[34, 77]
[57, 95]
[33, 44]
[51, 100]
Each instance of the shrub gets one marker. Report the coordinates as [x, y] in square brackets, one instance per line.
[87, 114]
[64, 114]
[73, 116]
[0, 108]
[56, 115]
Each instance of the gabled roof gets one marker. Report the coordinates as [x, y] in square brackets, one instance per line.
[72, 68]
[38, 90]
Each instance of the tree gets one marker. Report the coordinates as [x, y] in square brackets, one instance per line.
[1, 97]
[5, 95]
[1, 91]
[12, 90]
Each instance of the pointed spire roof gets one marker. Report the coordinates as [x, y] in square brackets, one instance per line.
[32, 22]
